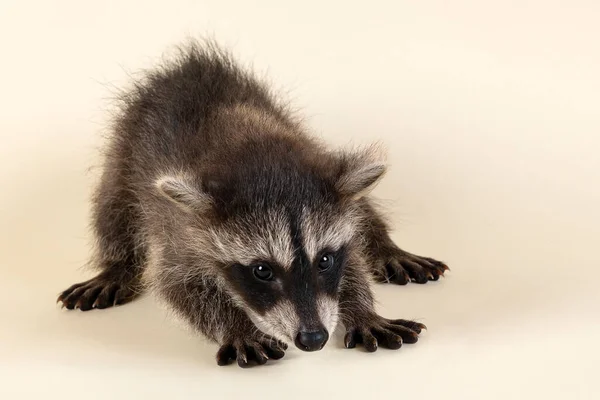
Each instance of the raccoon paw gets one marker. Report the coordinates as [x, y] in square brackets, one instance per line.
[99, 292]
[379, 331]
[400, 267]
[248, 352]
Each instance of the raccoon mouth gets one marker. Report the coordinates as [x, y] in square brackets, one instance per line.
[311, 341]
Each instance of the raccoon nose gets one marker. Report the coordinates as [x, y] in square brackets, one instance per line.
[312, 341]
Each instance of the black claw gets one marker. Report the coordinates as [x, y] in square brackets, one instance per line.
[248, 352]
[242, 356]
[361, 336]
[87, 299]
[100, 292]
[370, 344]
[379, 331]
[417, 273]
[350, 339]
[225, 354]
[67, 292]
[274, 353]
[391, 273]
[257, 353]
[402, 277]
[403, 267]
[388, 339]
[411, 325]
[106, 298]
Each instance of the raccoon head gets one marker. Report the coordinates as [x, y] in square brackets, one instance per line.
[279, 230]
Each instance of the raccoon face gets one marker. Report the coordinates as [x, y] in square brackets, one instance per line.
[288, 282]
[282, 244]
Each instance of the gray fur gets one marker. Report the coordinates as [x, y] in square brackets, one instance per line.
[207, 176]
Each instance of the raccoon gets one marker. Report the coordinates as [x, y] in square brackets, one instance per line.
[214, 197]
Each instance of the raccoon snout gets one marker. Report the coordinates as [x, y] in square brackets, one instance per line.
[312, 341]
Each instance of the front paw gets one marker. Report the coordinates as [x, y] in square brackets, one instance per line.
[378, 331]
[251, 351]
[400, 267]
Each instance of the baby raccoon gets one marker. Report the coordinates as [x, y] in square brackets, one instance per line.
[215, 198]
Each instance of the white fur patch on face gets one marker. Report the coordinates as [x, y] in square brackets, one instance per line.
[281, 321]
[320, 230]
[328, 312]
[267, 238]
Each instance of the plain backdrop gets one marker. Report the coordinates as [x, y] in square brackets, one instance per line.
[491, 114]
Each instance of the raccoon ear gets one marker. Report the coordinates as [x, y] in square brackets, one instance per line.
[179, 190]
[359, 171]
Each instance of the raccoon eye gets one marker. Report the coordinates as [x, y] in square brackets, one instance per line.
[325, 262]
[263, 272]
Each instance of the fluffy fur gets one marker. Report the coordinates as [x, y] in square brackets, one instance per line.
[217, 200]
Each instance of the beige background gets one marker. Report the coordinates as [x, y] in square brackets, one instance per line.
[490, 111]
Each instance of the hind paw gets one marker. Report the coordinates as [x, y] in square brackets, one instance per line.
[400, 267]
[98, 292]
